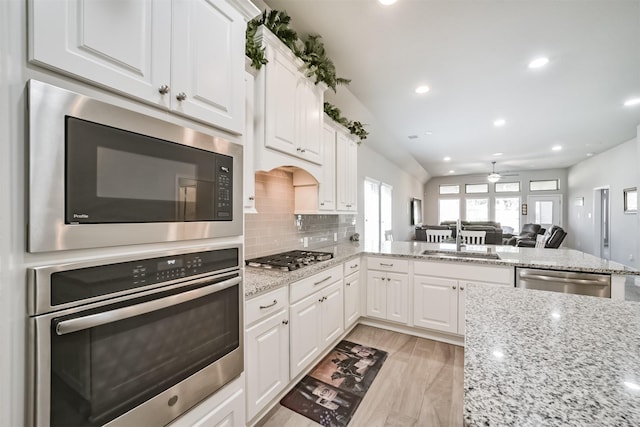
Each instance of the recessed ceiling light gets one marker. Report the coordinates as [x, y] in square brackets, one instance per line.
[539, 62]
[498, 154]
[499, 122]
[589, 154]
[447, 159]
[632, 102]
[422, 89]
[556, 147]
[387, 2]
[428, 132]
[452, 171]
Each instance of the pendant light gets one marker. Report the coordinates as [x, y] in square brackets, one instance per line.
[493, 176]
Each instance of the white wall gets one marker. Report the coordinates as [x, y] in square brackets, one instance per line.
[616, 168]
[431, 190]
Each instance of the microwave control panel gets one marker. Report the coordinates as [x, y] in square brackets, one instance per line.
[224, 188]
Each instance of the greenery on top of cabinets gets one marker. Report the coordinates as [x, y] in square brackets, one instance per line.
[355, 128]
[318, 65]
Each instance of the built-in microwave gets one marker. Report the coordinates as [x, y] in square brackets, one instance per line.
[102, 175]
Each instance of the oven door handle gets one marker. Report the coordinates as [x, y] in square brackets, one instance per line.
[87, 322]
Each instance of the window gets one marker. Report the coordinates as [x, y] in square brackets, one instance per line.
[448, 209]
[546, 185]
[507, 187]
[476, 188]
[630, 200]
[477, 209]
[508, 212]
[543, 212]
[449, 189]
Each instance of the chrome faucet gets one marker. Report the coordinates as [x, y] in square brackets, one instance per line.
[459, 244]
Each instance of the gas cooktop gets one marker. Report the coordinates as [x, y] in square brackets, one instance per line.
[288, 261]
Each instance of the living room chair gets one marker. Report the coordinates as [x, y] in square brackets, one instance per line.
[473, 237]
[438, 236]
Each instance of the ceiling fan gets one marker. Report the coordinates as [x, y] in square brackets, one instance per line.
[496, 176]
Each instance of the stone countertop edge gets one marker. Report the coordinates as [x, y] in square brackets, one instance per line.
[258, 281]
[537, 358]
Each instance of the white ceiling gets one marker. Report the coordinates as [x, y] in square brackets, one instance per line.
[474, 56]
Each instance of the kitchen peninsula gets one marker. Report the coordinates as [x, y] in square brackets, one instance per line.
[258, 281]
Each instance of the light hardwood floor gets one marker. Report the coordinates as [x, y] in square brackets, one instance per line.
[420, 384]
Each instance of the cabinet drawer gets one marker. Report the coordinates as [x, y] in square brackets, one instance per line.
[311, 284]
[263, 305]
[478, 273]
[352, 266]
[388, 264]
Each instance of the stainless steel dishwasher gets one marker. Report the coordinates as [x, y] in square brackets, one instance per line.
[569, 282]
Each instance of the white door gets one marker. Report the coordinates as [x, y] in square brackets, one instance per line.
[327, 188]
[397, 297]
[377, 294]
[281, 83]
[207, 72]
[545, 210]
[332, 309]
[267, 361]
[351, 299]
[123, 45]
[305, 333]
[309, 121]
[436, 303]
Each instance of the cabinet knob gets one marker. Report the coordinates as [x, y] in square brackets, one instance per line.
[298, 149]
[388, 279]
[348, 284]
[251, 198]
[285, 322]
[181, 96]
[322, 204]
[303, 151]
[453, 287]
[164, 89]
[462, 288]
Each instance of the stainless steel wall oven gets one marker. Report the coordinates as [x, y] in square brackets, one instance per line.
[101, 175]
[133, 342]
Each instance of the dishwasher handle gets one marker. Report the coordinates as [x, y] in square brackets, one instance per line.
[544, 278]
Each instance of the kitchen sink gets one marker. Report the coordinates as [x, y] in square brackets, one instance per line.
[463, 255]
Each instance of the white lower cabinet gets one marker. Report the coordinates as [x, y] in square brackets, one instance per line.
[439, 292]
[225, 408]
[388, 289]
[351, 292]
[267, 349]
[317, 319]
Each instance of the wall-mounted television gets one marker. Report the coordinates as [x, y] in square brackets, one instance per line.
[416, 211]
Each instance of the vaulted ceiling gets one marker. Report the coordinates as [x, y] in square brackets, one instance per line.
[474, 57]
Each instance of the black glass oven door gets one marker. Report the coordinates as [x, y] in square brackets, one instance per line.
[101, 369]
[116, 176]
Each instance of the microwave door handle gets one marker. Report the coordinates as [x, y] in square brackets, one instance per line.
[86, 322]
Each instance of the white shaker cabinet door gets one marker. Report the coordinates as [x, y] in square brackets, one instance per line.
[377, 294]
[332, 318]
[207, 66]
[397, 297]
[124, 45]
[267, 346]
[305, 332]
[436, 303]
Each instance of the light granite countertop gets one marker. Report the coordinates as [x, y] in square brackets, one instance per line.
[537, 358]
[258, 280]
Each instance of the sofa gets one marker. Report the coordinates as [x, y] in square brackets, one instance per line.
[492, 229]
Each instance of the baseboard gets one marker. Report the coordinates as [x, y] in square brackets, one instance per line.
[416, 332]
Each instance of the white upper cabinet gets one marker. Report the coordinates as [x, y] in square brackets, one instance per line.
[346, 173]
[207, 63]
[183, 55]
[290, 108]
[327, 188]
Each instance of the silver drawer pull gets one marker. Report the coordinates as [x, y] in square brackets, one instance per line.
[323, 280]
[285, 322]
[386, 265]
[348, 283]
[354, 266]
[275, 301]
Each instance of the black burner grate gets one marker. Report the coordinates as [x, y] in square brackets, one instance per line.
[288, 261]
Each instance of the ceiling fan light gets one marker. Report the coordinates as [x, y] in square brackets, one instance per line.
[494, 177]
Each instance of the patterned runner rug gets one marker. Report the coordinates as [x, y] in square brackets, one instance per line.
[331, 393]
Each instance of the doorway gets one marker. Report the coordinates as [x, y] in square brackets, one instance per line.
[602, 222]
[377, 213]
[545, 210]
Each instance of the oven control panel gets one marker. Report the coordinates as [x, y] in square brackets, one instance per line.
[76, 285]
